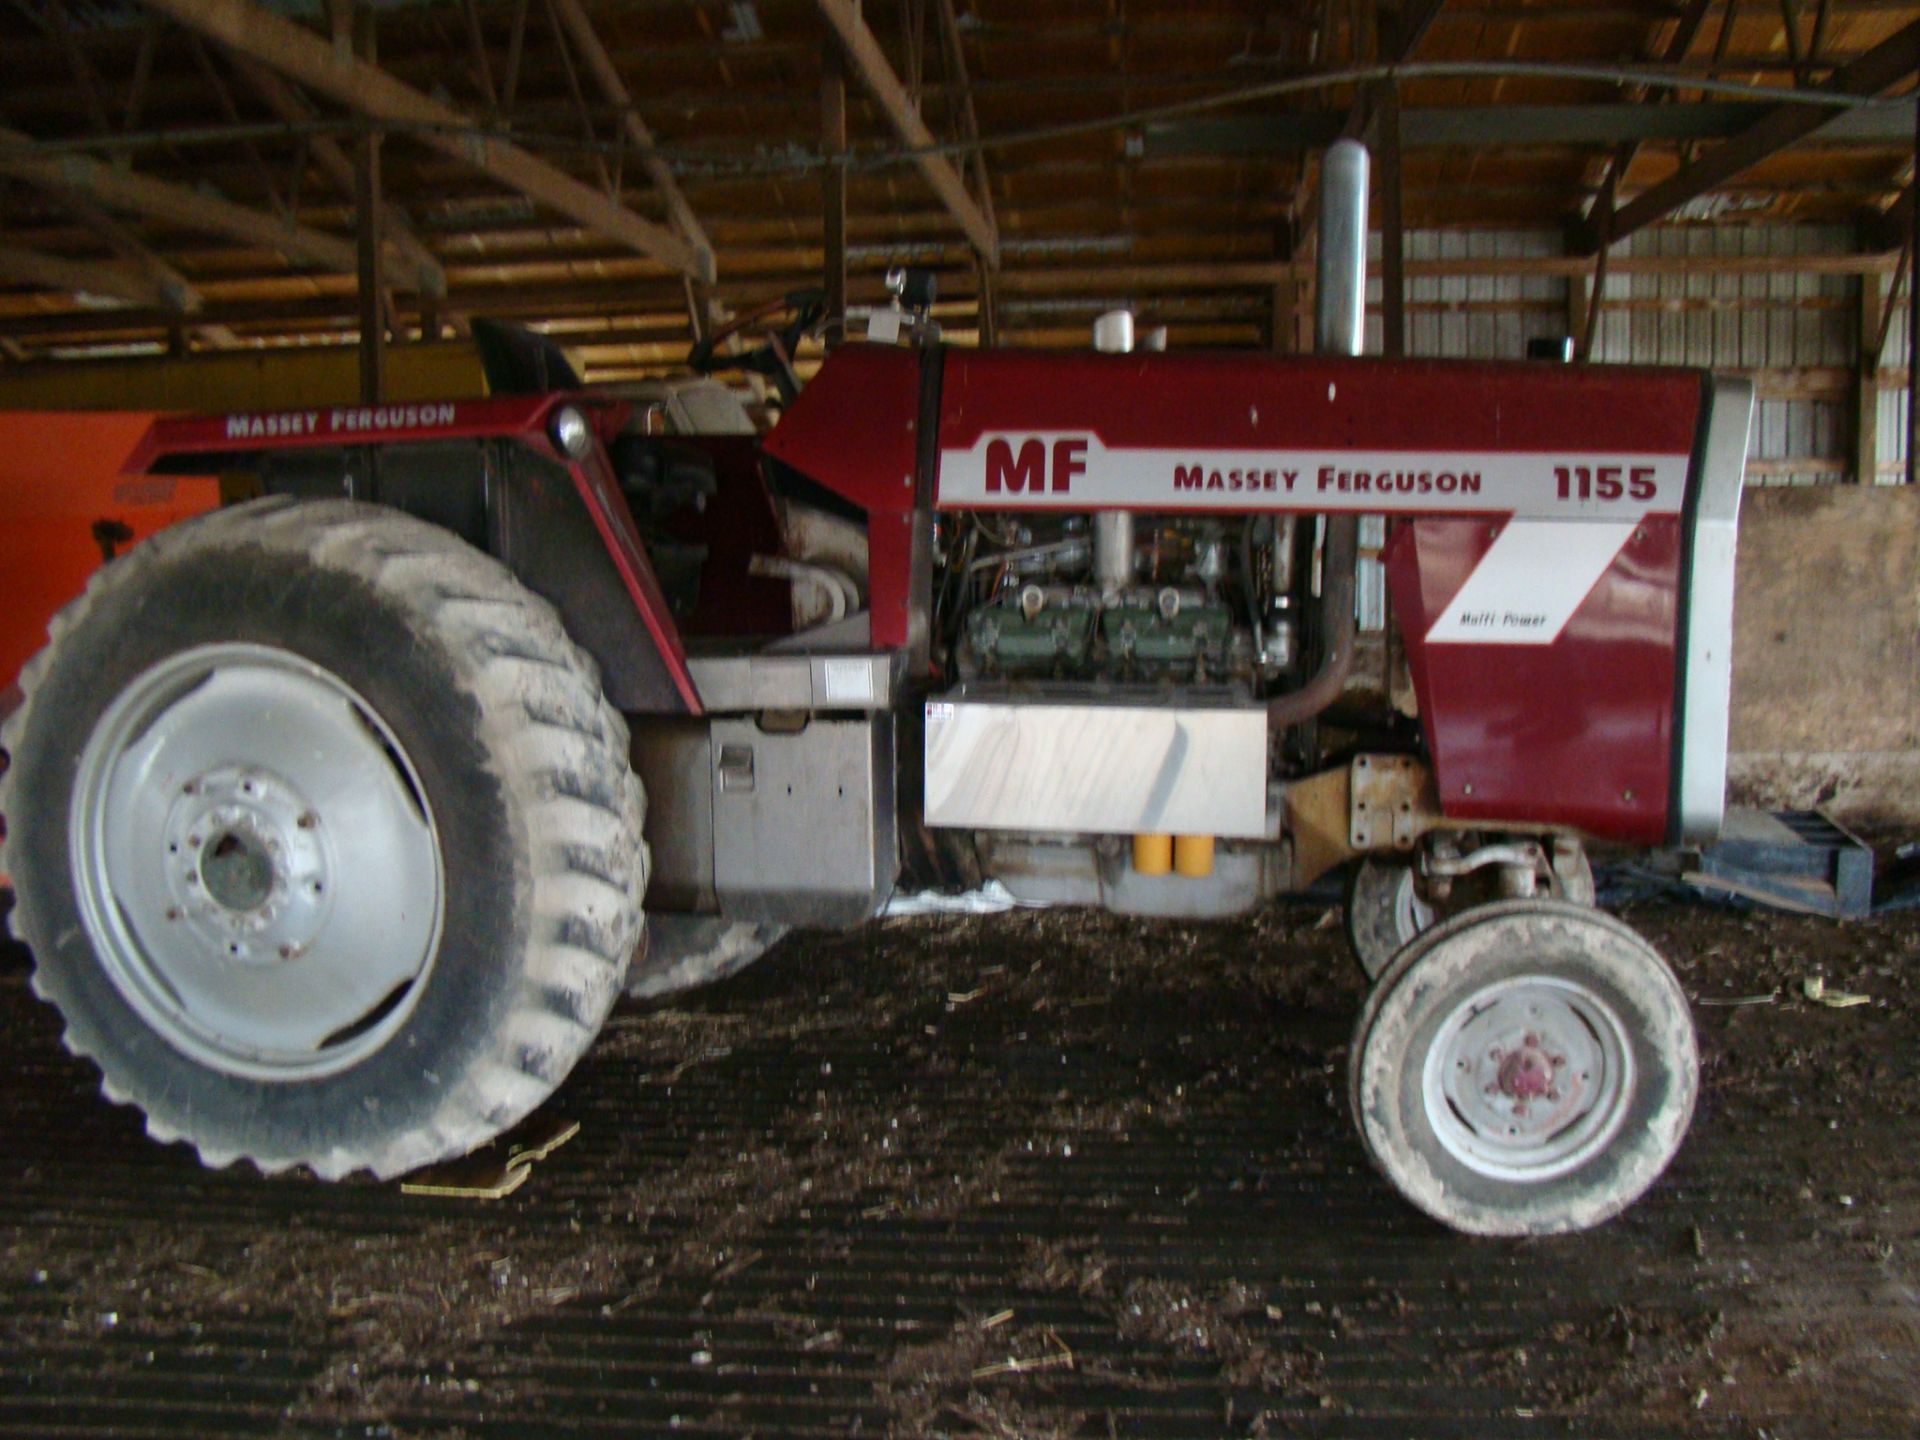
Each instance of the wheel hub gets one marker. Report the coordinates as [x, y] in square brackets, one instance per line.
[1527, 1073]
[247, 865]
[1528, 1078]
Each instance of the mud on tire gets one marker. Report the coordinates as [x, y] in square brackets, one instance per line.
[269, 699]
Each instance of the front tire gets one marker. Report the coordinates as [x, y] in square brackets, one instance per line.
[1527, 1068]
[324, 838]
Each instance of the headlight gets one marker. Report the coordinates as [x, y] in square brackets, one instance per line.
[571, 432]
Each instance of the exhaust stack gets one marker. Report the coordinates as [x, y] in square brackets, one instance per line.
[1340, 290]
[1339, 328]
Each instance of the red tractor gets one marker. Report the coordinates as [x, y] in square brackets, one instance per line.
[332, 814]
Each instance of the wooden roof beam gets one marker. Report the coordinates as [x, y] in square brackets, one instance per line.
[1878, 69]
[406, 254]
[112, 279]
[953, 43]
[194, 210]
[177, 291]
[587, 42]
[869, 62]
[1400, 32]
[316, 64]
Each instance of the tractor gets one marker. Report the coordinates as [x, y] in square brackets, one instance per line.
[340, 817]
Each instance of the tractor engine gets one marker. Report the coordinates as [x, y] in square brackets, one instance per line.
[1122, 597]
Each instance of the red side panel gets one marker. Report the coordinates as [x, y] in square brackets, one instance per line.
[856, 427]
[1576, 732]
[856, 430]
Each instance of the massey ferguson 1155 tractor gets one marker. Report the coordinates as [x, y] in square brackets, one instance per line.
[333, 815]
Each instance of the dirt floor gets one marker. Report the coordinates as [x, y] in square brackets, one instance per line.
[1022, 1176]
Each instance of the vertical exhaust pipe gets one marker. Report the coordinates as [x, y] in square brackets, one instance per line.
[1339, 328]
[1340, 279]
[1113, 529]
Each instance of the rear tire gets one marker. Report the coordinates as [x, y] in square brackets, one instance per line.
[324, 838]
[687, 952]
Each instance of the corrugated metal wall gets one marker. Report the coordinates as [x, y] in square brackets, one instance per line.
[1795, 333]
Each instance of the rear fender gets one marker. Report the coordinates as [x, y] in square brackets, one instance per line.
[488, 471]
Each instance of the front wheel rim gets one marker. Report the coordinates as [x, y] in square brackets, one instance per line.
[1528, 1078]
[255, 863]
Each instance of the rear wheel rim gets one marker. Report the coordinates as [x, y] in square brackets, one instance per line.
[255, 863]
[1528, 1078]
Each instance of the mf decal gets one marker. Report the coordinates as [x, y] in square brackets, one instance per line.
[1024, 471]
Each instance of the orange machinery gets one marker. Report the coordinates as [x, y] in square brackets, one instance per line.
[65, 507]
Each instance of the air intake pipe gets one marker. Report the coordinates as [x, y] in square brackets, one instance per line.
[1340, 312]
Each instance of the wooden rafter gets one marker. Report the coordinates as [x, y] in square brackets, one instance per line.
[833, 186]
[593, 53]
[245, 28]
[869, 62]
[1400, 34]
[112, 279]
[120, 189]
[1878, 69]
[969, 116]
[1614, 169]
[411, 260]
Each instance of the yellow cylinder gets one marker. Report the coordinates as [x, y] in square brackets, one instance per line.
[1152, 854]
[1193, 856]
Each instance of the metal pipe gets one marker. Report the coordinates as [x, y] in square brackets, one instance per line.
[1340, 278]
[1113, 529]
[1340, 315]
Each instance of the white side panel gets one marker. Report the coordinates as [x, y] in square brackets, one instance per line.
[1104, 769]
[1527, 586]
